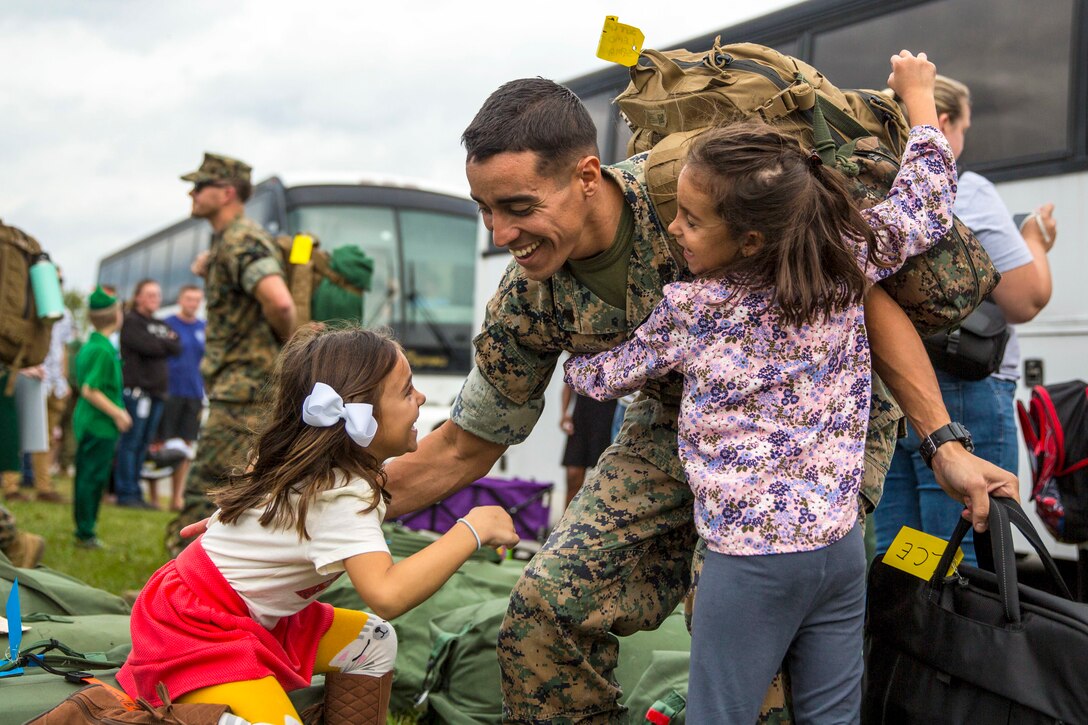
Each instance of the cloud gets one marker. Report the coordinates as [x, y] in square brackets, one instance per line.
[106, 103]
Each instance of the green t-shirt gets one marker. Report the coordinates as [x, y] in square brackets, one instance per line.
[98, 366]
[605, 274]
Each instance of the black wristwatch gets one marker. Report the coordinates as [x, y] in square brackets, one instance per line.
[945, 434]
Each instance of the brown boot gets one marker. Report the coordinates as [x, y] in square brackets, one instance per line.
[26, 550]
[356, 699]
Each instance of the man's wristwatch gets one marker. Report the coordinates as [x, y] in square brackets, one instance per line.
[944, 434]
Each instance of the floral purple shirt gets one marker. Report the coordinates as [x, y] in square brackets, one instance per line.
[773, 419]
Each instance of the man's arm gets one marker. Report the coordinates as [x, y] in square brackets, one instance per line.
[902, 363]
[447, 460]
[277, 305]
[1025, 290]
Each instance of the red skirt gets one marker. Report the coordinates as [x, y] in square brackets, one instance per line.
[190, 630]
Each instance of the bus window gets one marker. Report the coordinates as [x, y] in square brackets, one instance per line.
[370, 227]
[187, 244]
[261, 210]
[440, 264]
[114, 272]
[136, 271]
[158, 260]
[1016, 59]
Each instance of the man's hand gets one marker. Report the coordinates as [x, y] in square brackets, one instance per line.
[199, 267]
[968, 478]
[194, 530]
[37, 372]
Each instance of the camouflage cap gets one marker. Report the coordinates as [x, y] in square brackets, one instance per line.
[219, 168]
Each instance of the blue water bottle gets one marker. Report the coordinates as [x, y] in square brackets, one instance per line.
[45, 282]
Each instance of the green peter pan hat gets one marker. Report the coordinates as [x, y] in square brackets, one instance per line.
[100, 299]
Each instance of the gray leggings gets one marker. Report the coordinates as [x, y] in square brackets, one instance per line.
[753, 612]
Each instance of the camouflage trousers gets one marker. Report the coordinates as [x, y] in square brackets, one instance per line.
[225, 440]
[620, 561]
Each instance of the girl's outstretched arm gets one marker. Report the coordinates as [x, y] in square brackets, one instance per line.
[391, 589]
[654, 349]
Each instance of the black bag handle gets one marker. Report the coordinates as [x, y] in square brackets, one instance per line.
[1004, 513]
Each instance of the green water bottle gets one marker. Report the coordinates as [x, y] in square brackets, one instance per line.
[45, 282]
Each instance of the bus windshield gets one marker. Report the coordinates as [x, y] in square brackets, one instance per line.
[424, 268]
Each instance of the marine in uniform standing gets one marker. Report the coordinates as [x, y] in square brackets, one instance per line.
[250, 314]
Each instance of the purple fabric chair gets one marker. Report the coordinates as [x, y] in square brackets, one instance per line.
[527, 502]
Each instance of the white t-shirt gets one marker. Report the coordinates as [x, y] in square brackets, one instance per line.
[982, 210]
[275, 572]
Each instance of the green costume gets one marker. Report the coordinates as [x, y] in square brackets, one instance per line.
[98, 366]
[620, 560]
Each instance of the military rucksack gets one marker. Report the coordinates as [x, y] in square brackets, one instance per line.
[24, 337]
[303, 279]
[676, 95]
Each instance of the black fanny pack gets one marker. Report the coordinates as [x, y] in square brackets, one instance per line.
[975, 349]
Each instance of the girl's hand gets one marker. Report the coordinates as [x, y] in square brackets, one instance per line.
[494, 526]
[913, 78]
[912, 74]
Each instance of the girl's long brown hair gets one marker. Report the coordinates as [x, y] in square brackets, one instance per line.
[292, 462]
[760, 180]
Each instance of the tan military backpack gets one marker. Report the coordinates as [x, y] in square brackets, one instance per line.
[676, 95]
[24, 337]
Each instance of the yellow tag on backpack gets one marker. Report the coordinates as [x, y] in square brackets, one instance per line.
[620, 43]
[918, 553]
[301, 249]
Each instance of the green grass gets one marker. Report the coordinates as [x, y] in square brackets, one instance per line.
[133, 537]
[134, 540]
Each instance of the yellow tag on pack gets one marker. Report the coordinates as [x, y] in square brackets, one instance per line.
[918, 553]
[620, 43]
[301, 249]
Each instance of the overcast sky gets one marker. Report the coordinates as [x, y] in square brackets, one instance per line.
[103, 104]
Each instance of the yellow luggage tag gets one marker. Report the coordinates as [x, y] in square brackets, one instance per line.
[918, 553]
[301, 249]
[620, 43]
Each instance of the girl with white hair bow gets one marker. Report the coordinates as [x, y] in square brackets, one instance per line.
[234, 619]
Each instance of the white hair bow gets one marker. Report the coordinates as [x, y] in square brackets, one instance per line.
[324, 406]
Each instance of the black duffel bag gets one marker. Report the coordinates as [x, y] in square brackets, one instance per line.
[975, 647]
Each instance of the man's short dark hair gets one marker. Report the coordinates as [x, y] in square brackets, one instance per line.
[242, 189]
[532, 114]
[190, 288]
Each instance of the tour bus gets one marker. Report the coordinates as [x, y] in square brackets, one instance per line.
[1027, 67]
[422, 240]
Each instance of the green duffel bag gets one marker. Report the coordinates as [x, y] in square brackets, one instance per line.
[44, 590]
[484, 577]
[662, 690]
[461, 683]
[89, 633]
[462, 686]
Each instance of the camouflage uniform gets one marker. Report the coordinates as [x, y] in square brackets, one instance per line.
[239, 352]
[620, 560]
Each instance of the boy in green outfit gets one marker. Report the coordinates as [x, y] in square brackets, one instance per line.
[99, 417]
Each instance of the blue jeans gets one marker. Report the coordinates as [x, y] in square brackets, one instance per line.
[912, 497]
[132, 448]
